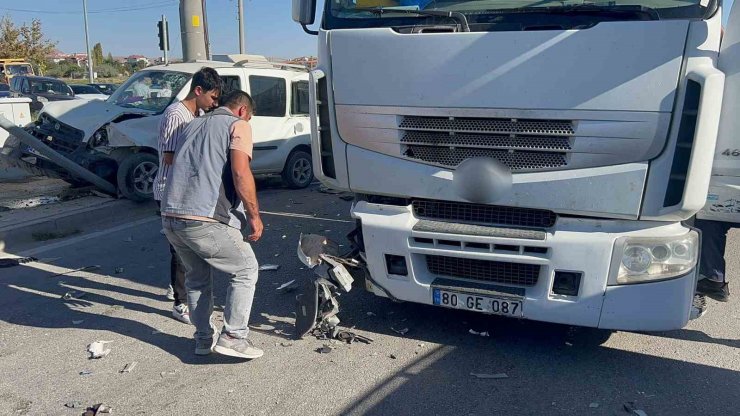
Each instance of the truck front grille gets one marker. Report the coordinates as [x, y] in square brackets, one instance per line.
[516, 161]
[484, 270]
[522, 145]
[483, 214]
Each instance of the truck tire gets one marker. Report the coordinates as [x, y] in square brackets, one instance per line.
[298, 170]
[136, 176]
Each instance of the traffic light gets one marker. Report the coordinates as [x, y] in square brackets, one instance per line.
[164, 35]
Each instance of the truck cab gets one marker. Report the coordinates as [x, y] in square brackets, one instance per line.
[117, 138]
[546, 158]
[12, 67]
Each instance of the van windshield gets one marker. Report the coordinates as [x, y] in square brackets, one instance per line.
[149, 90]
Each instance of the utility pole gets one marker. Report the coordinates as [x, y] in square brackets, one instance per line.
[242, 48]
[192, 30]
[87, 43]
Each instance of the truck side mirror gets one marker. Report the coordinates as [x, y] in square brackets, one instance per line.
[304, 11]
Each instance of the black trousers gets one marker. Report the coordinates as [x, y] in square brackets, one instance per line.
[177, 273]
[713, 241]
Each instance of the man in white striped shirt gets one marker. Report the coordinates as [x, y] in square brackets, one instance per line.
[205, 88]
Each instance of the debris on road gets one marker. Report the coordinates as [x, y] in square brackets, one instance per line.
[73, 405]
[98, 409]
[288, 286]
[326, 349]
[392, 356]
[594, 405]
[156, 332]
[402, 331]
[81, 269]
[351, 337]
[286, 344]
[496, 376]
[78, 322]
[631, 408]
[269, 267]
[119, 270]
[326, 190]
[129, 239]
[347, 197]
[97, 349]
[371, 314]
[73, 294]
[85, 372]
[128, 367]
[165, 374]
[6, 263]
[481, 334]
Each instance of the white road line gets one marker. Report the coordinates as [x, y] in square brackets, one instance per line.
[75, 240]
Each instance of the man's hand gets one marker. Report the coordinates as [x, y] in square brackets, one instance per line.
[257, 227]
[168, 158]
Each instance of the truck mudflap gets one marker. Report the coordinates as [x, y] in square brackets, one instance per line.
[317, 304]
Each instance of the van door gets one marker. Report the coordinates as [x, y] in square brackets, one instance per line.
[723, 199]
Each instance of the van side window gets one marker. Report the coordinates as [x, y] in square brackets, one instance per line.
[229, 83]
[269, 94]
[299, 100]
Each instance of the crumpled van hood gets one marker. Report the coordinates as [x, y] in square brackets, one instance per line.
[87, 116]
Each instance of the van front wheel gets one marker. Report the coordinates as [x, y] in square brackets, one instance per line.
[298, 170]
[136, 176]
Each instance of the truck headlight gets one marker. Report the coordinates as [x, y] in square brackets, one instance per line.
[639, 259]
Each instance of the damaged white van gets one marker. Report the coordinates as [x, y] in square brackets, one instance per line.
[117, 138]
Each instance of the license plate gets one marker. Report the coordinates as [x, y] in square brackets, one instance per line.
[479, 303]
[33, 151]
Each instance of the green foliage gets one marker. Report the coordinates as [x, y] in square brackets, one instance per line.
[25, 42]
[97, 54]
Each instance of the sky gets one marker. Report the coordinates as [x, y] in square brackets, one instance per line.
[127, 27]
[123, 31]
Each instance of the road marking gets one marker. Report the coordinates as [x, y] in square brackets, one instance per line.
[78, 239]
[304, 216]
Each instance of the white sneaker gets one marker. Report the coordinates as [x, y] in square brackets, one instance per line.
[170, 293]
[181, 313]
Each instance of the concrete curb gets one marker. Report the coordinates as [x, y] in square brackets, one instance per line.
[31, 232]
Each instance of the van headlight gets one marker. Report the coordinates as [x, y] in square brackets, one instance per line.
[100, 138]
[640, 260]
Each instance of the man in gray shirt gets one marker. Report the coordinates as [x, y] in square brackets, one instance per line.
[208, 190]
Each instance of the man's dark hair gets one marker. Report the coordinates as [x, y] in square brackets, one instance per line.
[207, 79]
[236, 99]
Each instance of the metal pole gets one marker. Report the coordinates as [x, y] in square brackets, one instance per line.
[241, 27]
[87, 42]
[205, 30]
[55, 157]
[167, 39]
[191, 27]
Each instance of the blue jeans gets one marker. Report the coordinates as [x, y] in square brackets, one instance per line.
[203, 247]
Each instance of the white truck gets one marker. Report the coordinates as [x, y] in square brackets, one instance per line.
[117, 138]
[532, 159]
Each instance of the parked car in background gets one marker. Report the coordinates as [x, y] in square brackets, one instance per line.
[4, 90]
[87, 92]
[106, 89]
[40, 90]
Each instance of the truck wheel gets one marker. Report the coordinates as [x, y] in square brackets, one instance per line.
[136, 176]
[298, 170]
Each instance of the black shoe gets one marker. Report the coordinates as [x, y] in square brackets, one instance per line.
[718, 291]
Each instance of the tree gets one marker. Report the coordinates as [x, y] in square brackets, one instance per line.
[109, 59]
[25, 42]
[97, 53]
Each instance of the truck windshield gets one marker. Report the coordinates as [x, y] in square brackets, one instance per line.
[19, 69]
[485, 14]
[149, 90]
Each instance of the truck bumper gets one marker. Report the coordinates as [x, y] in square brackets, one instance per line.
[578, 245]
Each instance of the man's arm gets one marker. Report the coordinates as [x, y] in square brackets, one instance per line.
[247, 191]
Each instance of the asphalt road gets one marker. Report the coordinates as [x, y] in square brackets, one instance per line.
[427, 371]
